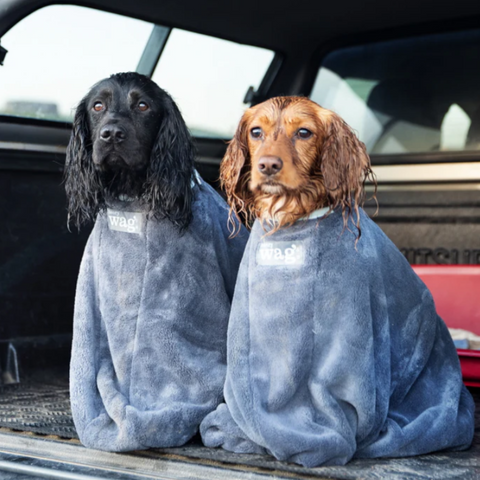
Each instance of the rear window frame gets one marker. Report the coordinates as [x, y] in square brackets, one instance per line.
[259, 95]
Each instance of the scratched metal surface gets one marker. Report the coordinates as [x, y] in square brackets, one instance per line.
[43, 407]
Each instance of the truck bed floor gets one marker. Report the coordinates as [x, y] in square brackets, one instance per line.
[39, 408]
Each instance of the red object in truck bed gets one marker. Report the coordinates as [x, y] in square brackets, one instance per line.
[456, 291]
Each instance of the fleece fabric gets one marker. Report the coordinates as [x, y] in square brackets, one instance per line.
[150, 324]
[335, 351]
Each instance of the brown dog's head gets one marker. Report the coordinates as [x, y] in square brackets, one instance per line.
[290, 157]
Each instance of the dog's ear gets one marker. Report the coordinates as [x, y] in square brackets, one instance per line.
[235, 173]
[82, 183]
[171, 170]
[345, 167]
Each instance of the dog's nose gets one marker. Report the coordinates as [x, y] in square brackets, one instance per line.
[270, 165]
[112, 134]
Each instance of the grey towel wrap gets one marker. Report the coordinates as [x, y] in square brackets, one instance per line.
[336, 352]
[151, 313]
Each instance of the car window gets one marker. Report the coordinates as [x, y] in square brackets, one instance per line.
[412, 95]
[208, 78]
[58, 52]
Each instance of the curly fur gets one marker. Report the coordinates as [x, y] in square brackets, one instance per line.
[163, 185]
[334, 174]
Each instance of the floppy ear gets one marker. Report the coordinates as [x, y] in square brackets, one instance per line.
[82, 182]
[345, 166]
[235, 175]
[168, 186]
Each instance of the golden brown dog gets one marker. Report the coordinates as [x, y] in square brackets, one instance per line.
[290, 157]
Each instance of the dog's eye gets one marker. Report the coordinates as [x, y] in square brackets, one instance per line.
[304, 133]
[98, 106]
[256, 132]
[142, 106]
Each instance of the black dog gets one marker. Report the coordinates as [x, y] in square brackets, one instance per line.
[157, 275]
[129, 138]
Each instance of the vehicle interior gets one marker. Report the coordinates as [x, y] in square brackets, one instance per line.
[405, 76]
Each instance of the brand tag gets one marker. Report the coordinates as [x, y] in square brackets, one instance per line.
[129, 222]
[280, 253]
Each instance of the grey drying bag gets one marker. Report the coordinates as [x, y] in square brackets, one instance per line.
[151, 312]
[335, 351]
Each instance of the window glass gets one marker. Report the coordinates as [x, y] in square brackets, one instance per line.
[208, 78]
[413, 95]
[58, 52]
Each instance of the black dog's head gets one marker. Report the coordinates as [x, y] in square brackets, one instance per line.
[129, 138]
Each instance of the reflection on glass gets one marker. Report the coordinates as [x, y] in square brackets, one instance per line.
[412, 95]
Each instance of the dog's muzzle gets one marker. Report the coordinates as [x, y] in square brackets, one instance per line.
[270, 165]
[113, 134]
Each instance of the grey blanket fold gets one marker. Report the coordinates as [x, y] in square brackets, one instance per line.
[151, 312]
[336, 352]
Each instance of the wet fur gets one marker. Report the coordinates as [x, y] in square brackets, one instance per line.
[154, 164]
[327, 170]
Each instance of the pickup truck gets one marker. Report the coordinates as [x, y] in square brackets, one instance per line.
[402, 74]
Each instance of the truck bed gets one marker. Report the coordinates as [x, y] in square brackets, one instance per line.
[37, 432]
[40, 260]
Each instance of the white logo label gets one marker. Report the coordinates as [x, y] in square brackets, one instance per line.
[129, 222]
[280, 253]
